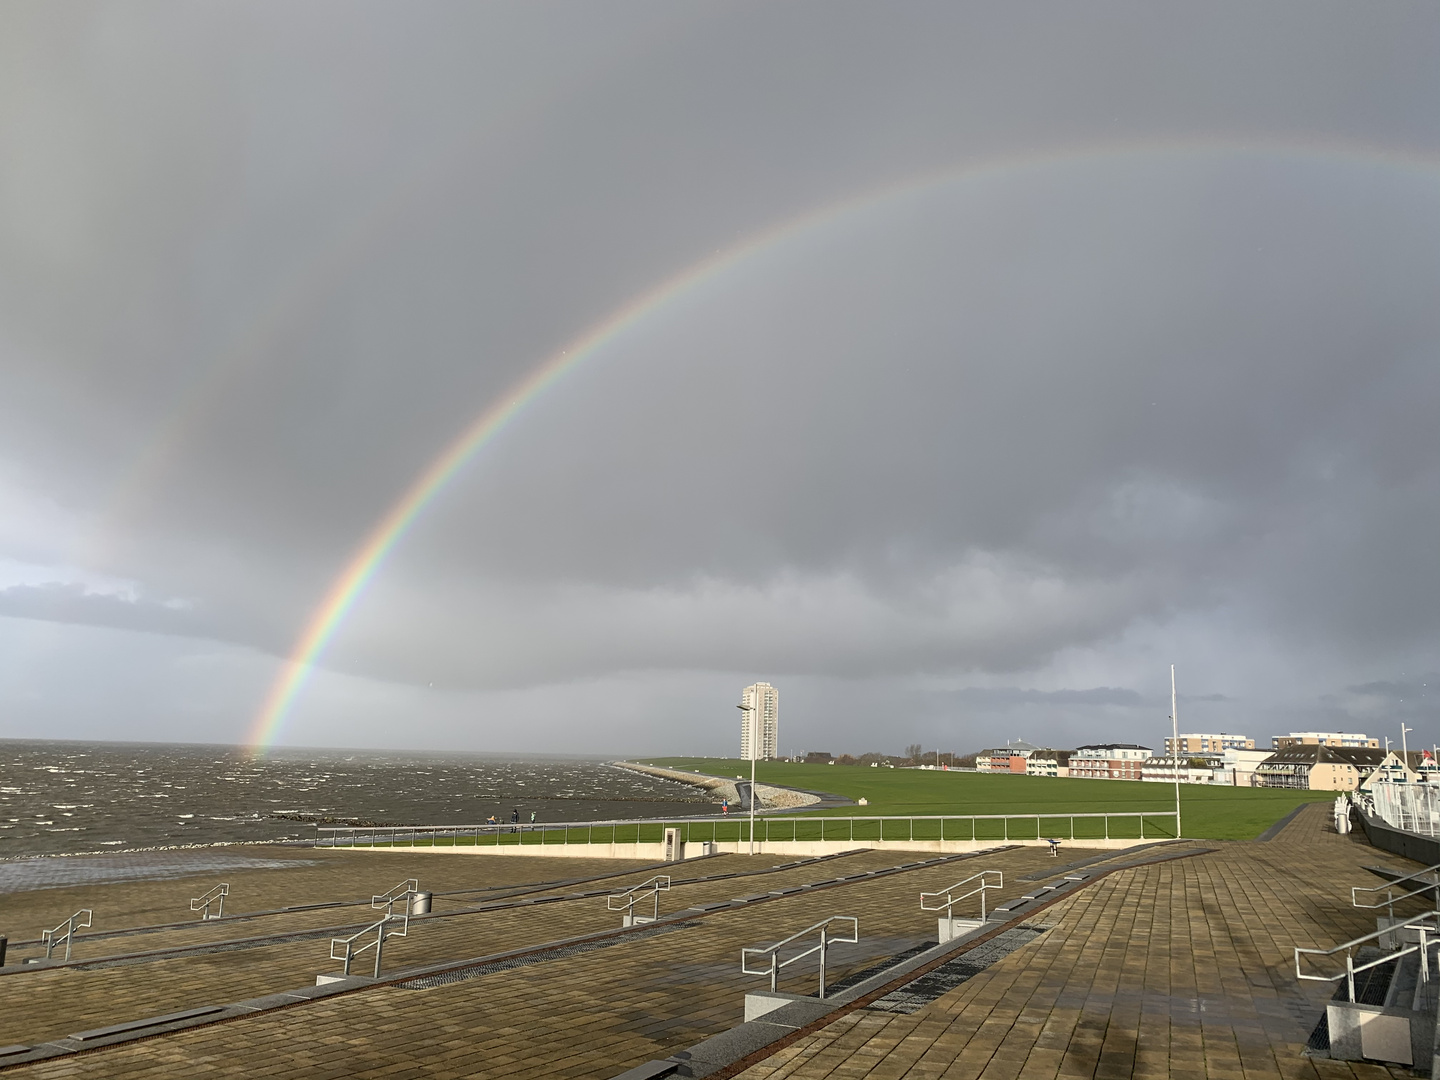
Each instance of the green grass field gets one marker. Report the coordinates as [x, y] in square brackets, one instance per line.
[1217, 813]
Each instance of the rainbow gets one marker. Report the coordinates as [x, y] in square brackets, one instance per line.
[363, 565]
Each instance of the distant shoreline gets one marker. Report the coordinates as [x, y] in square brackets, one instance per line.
[767, 796]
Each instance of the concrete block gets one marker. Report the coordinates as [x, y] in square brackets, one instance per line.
[760, 1002]
[950, 929]
[636, 920]
[1371, 1032]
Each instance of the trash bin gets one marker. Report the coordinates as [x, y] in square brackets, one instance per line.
[420, 903]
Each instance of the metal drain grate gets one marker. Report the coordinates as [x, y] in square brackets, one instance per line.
[875, 969]
[1318, 1045]
[914, 996]
[445, 978]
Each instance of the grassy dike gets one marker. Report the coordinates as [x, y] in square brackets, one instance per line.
[1215, 813]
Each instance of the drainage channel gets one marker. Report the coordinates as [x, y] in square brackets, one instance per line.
[899, 987]
[914, 996]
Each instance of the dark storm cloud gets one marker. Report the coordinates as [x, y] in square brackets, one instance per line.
[71, 603]
[1003, 696]
[1015, 427]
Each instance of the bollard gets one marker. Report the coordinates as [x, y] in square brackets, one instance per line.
[4, 942]
[420, 903]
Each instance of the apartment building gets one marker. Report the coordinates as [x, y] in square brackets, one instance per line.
[760, 726]
[1109, 761]
[1166, 769]
[1207, 744]
[1323, 738]
[1048, 762]
[1314, 766]
[1011, 757]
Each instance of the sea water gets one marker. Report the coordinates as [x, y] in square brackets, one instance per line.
[68, 797]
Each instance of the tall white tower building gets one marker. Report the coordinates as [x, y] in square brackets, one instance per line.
[760, 728]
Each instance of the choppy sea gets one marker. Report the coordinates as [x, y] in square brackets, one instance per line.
[60, 798]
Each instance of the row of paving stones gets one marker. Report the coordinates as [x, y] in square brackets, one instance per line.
[48, 1004]
[1181, 970]
[576, 1017]
[313, 877]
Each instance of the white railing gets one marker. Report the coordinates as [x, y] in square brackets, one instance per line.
[1412, 807]
[1361, 895]
[404, 891]
[1130, 824]
[772, 952]
[378, 929]
[51, 938]
[1426, 930]
[946, 899]
[630, 897]
[214, 896]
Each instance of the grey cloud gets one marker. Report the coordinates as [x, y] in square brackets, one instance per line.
[1005, 696]
[977, 431]
[74, 603]
[1392, 690]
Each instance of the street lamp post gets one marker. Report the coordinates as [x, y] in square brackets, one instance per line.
[750, 720]
[1404, 746]
[1175, 747]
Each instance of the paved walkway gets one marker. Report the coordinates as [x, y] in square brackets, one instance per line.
[1181, 969]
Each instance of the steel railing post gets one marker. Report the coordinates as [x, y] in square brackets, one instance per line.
[379, 946]
[774, 972]
[1350, 975]
[822, 963]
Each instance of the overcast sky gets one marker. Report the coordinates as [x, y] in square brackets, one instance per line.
[1046, 345]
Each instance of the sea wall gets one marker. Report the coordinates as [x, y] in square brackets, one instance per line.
[769, 796]
[655, 852]
[1422, 849]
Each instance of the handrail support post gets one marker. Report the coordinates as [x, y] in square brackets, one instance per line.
[822, 963]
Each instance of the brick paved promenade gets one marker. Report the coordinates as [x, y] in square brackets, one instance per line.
[1178, 969]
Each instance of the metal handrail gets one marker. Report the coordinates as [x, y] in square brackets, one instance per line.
[1431, 891]
[70, 925]
[378, 929]
[849, 829]
[951, 899]
[1401, 880]
[406, 889]
[202, 903]
[651, 887]
[1351, 968]
[773, 951]
[1430, 883]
